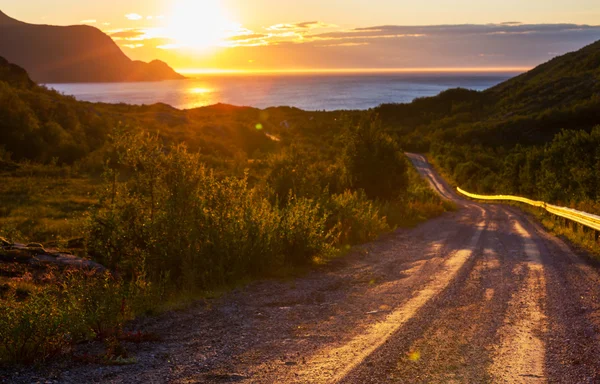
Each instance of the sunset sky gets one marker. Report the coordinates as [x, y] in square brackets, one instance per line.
[333, 34]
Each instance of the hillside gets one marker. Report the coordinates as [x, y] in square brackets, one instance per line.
[39, 124]
[529, 109]
[562, 81]
[54, 54]
[536, 135]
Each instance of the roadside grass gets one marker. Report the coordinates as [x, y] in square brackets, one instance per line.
[571, 231]
[44, 208]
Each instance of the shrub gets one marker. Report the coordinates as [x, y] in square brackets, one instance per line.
[75, 306]
[97, 300]
[33, 329]
[169, 214]
[374, 161]
[356, 217]
[303, 233]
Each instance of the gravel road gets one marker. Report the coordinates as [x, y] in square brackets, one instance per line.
[481, 295]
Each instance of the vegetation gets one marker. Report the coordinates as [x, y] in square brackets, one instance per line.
[45, 320]
[177, 203]
[535, 135]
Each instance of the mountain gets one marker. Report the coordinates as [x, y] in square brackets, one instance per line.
[80, 53]
[535, 135]
[564, 80]
[529, 109]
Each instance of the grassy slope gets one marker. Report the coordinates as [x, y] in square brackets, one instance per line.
[44, 207]
[560, 82]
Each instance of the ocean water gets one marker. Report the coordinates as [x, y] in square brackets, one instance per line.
[308, 92]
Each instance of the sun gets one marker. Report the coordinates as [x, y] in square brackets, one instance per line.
[199, 24]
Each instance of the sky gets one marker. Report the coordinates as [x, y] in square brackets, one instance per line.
[271, 35]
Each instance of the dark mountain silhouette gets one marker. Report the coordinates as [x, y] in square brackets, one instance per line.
[80, 53]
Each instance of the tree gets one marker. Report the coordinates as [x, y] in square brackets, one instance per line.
[374, 161]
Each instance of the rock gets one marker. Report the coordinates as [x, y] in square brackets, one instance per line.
[35, 245]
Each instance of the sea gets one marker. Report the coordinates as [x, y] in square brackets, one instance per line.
[311, 92]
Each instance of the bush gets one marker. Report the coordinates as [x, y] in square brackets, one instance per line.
[171, 215]
[374, 161]
[34, 329]
[302, 173]
[303, 232]
[76, 306]
[356, 217]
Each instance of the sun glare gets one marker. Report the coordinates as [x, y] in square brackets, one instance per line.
[200, 91]
[199, 24]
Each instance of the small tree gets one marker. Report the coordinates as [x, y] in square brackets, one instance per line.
[374, 162]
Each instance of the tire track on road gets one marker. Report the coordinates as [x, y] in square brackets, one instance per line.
[333, 364]
[520, 356]
[449, 341]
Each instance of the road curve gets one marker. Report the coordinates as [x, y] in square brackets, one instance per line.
[481, 295]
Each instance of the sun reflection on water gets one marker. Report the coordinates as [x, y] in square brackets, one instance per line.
[200, 91]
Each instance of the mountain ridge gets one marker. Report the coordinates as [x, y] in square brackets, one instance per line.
[72, 54]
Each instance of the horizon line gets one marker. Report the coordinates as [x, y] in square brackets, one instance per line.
[216, 71]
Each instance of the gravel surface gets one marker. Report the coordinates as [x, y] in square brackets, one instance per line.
[481, 295]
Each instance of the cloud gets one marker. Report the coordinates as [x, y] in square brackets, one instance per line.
[344, 45]
[90, 21]
[127, 34]
[467, 29]
[506, 45]
[314, 44]
[247, 37]
[306, 25]
[454, 33]
[133, 16]
[315, 25]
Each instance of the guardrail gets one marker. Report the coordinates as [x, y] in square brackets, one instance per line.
[585, 219]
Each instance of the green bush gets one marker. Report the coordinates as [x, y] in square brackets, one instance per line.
[302, 173]
[356, 217]
[303, 232]
[374, 161]
[68, 308]
[33, 329]
[97, 300]
[168, 214]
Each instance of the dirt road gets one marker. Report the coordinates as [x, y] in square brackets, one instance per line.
[482, 295]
